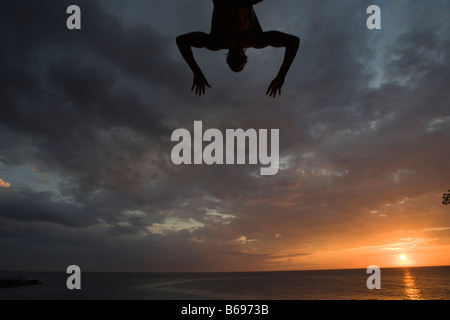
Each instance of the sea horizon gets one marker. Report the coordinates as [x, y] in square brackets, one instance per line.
[397, 283]
[237, 271]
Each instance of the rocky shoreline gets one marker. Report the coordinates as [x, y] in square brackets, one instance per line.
[17, 282]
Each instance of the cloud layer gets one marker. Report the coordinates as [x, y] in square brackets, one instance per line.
[86, 118]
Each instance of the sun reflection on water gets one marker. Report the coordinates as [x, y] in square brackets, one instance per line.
[411, 290]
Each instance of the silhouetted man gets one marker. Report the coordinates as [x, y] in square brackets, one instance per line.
[235, 26]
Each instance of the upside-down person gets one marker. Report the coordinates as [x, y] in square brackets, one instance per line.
[235, 27]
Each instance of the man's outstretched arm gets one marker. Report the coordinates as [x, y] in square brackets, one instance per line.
[185, 43]
[291, 43]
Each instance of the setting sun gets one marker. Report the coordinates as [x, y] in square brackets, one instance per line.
[405, 260]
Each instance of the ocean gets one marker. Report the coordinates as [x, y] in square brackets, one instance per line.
[419, 283]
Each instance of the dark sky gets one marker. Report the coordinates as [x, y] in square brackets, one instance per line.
[86, 118]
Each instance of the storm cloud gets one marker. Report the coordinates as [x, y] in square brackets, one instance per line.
[86, 118]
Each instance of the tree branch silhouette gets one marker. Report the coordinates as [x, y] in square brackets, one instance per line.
[446, 198]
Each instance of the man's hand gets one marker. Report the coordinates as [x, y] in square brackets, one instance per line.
[279, 39]
[275, 86]
[199, 84]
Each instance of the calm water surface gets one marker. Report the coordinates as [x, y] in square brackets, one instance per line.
[424, 283]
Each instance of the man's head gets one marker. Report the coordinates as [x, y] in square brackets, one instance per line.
[236, 59]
